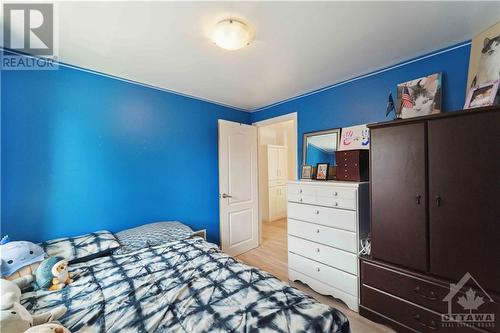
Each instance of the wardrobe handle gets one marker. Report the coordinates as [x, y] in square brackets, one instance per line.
[438, 200]
[418, 197]
[432, 325]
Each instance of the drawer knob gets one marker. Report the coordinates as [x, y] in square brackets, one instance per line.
[317, 231]
[317, 212]
[432, 295]
[300, 191]
[300, 199]
[432, 325]
[335, 193]
[317, 250]
[317, 269]
[335, 203]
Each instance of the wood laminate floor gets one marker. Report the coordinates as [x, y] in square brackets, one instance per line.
[272, 257]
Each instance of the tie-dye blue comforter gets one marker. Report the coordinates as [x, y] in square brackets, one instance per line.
[184, 286]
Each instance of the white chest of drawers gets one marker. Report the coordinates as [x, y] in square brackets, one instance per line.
[326, 220]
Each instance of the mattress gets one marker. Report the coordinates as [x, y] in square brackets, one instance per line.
[182, 286]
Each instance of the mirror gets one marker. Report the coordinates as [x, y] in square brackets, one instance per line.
[320, 147]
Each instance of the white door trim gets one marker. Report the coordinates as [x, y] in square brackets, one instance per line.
[289, 116]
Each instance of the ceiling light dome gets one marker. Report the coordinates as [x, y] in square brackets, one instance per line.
[231, 34]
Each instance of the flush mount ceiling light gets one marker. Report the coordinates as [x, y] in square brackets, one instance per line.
[232, 34]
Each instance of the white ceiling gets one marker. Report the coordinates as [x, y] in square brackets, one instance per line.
[299, 46]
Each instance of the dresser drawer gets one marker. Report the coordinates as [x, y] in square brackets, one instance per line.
[297, 189]
[300, 198]
[336, 202]
[410, 315]
[340, 239]
[336, 193]
[330, 256]
[330, 217]
[341, 280]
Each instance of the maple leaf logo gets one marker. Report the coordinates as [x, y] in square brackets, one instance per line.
[470, 301]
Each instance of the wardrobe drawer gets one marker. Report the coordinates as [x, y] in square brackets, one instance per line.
[416, 290]
[277, 183]
[405, 286]
[341, 280]
[330, 217]
[415, 317]
[340, 239]
[299, 189]
[327, 255]
[336, 193]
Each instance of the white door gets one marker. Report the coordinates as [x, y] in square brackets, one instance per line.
[238, 192]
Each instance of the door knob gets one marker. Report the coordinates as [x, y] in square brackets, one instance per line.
[438, 200]
[224, 195]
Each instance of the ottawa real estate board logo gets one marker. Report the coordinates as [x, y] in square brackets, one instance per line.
[467, 302]
[28, 37]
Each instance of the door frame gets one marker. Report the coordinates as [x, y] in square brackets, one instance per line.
[271, 121]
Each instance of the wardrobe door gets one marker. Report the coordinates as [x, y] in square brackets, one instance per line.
[272, 163]
[398, 196]
[282, 163]
[464, 197]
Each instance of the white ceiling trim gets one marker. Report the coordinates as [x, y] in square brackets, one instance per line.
[376, 72]
[91, 71]
[317, 91]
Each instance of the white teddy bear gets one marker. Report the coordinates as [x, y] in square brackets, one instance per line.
[14, 318]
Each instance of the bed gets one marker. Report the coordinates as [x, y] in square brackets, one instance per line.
[184, 285]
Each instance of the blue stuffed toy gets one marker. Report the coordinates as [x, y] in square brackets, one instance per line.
[16, 255]
[53, 274]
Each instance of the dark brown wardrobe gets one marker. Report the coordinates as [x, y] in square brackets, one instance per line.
[435, 216]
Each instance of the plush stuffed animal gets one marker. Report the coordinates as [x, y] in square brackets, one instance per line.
[14, 318]
[10, 291]
[19, 259]
[53, 274]
[52, 327]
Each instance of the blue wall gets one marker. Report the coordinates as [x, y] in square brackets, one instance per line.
[316, 155]
[364, 100]
[82, 152]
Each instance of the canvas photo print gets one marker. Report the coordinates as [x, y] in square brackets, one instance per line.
[484, 63]
[420, 97]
